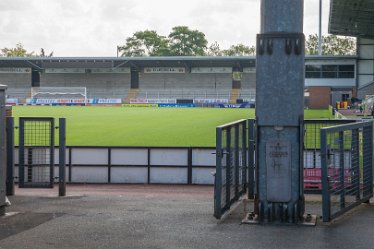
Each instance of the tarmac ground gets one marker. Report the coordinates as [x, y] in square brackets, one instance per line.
[162, 216]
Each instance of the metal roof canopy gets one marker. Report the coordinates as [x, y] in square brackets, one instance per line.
[40, 63]
[137, 62]
[352, 18]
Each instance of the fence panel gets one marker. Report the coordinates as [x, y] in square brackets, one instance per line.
[36, 152]
[312, 150]
[347, 164]
[231, 166]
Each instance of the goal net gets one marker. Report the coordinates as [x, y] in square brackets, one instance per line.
[60, 94]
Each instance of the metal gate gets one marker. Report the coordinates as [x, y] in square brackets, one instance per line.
[347, 167]
[231, 166]
[37, 153]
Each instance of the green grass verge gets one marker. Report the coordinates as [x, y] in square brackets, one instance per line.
[124, 126]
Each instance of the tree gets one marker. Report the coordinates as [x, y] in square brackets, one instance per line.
[332, 45]
[239, 50]
[214, 49]
[186, 42]
[145, 43]
[182, 41]
[18, 51]
[43, 54]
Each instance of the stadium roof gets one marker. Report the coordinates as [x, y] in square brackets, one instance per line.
[40, 63]
[162, 61]
[352, 18]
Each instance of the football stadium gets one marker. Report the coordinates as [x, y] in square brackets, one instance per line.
[166, 104]
[176, 81]
[143, 149]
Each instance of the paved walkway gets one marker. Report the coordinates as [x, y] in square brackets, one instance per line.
[154, 216]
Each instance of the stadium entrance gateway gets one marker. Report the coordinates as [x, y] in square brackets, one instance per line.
[280, 112]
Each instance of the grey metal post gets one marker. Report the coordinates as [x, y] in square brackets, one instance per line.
[52, 154]
[251, 150]
[244, 151]
[326, 214]
[228, 164]
[21, 154]
[367, 160]
[355, 162]
[2, 151]
[62, 156]
[341, 168]
[218, 174]
[320, 29]
[236, 160]
[279, 110]
[10, 155]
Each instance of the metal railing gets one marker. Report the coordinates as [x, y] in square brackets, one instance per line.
[347, 167]
[231, 165]
[312, 150]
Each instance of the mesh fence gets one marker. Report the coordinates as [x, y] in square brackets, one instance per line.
[312, 151]
[36, 152]
[347, 153]
[231, 165]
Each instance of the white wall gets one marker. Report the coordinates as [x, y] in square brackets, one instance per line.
[136, 165]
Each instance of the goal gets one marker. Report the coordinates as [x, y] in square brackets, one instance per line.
[60, 94]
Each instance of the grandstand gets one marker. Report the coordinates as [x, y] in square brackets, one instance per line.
[99, 85]
[200, 80]
[17, 80]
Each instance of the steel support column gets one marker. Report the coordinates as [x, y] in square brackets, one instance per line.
[280, 112]
[62, 156]
[2, 151]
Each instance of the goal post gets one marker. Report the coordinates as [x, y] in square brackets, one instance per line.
[73, 93]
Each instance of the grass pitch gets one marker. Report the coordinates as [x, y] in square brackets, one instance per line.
[137, 126]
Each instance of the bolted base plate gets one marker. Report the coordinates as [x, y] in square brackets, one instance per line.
[250, 218]
[308, 220]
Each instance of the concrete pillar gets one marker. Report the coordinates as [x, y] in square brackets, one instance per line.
[280, 112]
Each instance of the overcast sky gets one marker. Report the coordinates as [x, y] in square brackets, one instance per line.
[95, 27]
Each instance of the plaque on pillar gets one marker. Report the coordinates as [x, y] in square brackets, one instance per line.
[278, 167]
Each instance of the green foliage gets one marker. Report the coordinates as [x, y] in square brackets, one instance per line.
[182, 41]
[214, 49]
[332, 45]
[43, 54]
[145, 43]
[117, 126]
[239, 50]
[186, 42]
[20, 51]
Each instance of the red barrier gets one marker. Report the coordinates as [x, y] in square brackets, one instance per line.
[312, 178]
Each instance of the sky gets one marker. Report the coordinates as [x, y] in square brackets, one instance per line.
[94, 28]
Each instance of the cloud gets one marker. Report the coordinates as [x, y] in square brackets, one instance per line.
[96, 27]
